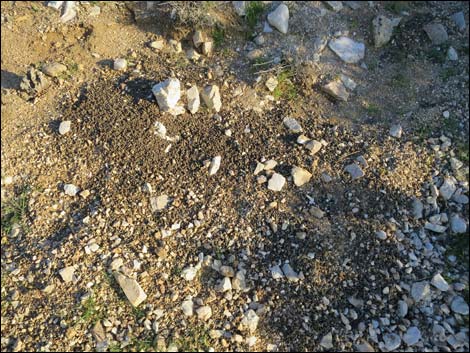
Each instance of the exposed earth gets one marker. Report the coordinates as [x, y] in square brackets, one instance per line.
[337, 220]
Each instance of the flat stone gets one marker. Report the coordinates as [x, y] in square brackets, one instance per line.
[459, 20]
[458, 224]
[67, 273]
[279, 18]
[120, 64]
[381, 235]
[249, 321]
[412, 336]
[420, 290]
[239, 7]
[392, 341]
[269, 165]
[347, 49]
[71, 189]
[440, 283]
[276, 272]
[224, 285]
[327, 340]
[158, 203]
[199, 37]
[187, 306]
[131, 289]
[459, 306]
[354, 171]
[211, 97]
[402, 308]
[290, 274]
[336, 90]
[204, 313]
[167, 93]
[435, 227]
[300, 176]
[396, 130]
[276, 182]
[302, 139]
[382, 30]
[348, 82]
[215, 165]
[271, 83]
[334, 5]
[192, 96]
[158, 44]
[53, 69]
[364, 346]
[452, 54]
[64, 127]
[292, 124]
[313, 146]
[436, 32]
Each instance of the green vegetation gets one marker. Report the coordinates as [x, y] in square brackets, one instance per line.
[449, 72]
[400, 81]
[195, 340]
[14, 210]
[397, 7]
[285, 88]
[437, 55]
[90, 311]
[218, 35]
[253, 11]
[459, 247]
[373, 109]
[461, 151]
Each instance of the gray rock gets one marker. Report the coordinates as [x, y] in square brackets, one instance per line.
[440, 283]
[67, 273]
[354, 171]
[167, 94]
[254, 54]
[249, 321]
[354, 5]
[71, 189]
[300, 176]
[392, 341]
[192, 95]
[418, 208]
[267, 28]
[276, 272]
[347, 49]
[436, 32]
[239, 7]
[158, 203]
[364, 346]
[290, 274]
[276, 182]
[292, 124]
[64, 127]
[239, 282]
[435, 227]
[381, 235]
[199, 37]
[383, 30]
[313, 146]
[319, 44]
[224, 285]
[192, 54]
[279, 18]
[396, 130]
[459, 306]
[120, 64]
[327, 340]
[402, 308]
[459, 20]
[455, 163]
[259, 39]
[34, 82]
[458, 224]
[412, 336]
[211, 97]
[317, 212]
[452, 54]
[131, 289]
[337, 90]
[448, 188]
[348, 82]
[227, 271]
[215, 165]
[420, 290]
[204, 313]
[54, 69]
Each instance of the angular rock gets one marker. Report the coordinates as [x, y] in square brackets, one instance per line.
[354, 171]
[383, 30]
[269, 165]
[158, 44]
[381, 235]
[459, 306]
[187, 307]
[131, 289]
[334, 5]
[71, 189]
[348, 82]
[402, 308]
[412, 336]
[458, 224]
[211, 97]
[436, 32]
[313, 146]
[448, 188]
[192, 54]
[317, 212]
[54, 69]
[396, 130]
[420, 290]
[227, 271]
[364, 346]
[259, 168]
[459, 20]
[271, 83]
[199, 37]
[64, 127]
[276, 272]
[192, 95]
[239, 281]
[337, 90]
[435, 227]
[327, 340]
[34, 82]
[204, 313]
[440, 283]
[189, 273]
[167, 93]
[207, 48]
[239, 7]
[452, 54]
[418, 208]
[158, 203]
[224, 285]
[300, 176]
[276, 182]
[279, 18]
[215, 165]
[292, 124]
[347, 49]
[392, 341]
[290, 274]
[120, 64]
[67, 273]
[249, 321]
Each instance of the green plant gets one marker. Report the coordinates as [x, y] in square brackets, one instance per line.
[253, 11]
[285, 88]
[194, 340]
[400, 81]
[449, 72]
[14, 210]
[218, 35]
[90, 312]
[437, 55]
[397, 7]
[461, 151]
[373, 109]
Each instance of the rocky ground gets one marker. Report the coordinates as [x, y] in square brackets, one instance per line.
[250, 176]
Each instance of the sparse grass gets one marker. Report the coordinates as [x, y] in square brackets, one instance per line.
[176, 271]
[400, 80]
[90, 312]
[461, 151]
[373, 109]
[423, 132]
[449, 72]
[354, 24]
[14, 210]
[285, 88]
[218, 35]
[437, 55]
[253, 11]
[115, 347]
[397, 7]
[138, 313]
[459, 247]
[194, 340]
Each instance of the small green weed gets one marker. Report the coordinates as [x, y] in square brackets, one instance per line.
[285, 88]
[218, 35]
[14, 211]
[253, 11]
[194, 340]
[373, 109]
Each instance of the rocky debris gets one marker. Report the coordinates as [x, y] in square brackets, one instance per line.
[452, 54]
[249, 321]
[192, 95]
[412, 336]
[420, 291]
[300, 176]
[402, 308]
[158, 44]
[279, 18]
[396, 130]
[199, 38]
[391, 341]
[239, 7]
[227, 271]
[364, 346]
[347, 49]
[224, 285]
[158, 203]
[167, 94]
[418, 208]
[207, 48]
[337, 90]
[458, 224]
[34, 82]
[215, 165]
[192, 54]
[436, 32]
[67, 273]
[190, 272]
[276, 182]
[71, 190]
[436, 228]
[459, 306]
[381, 235]
[383, 30]
[69, 11]
[239, 281]
[53, 69]
[131, 289]
[175, 46]
[211, 97]
[94, 11]
[327, 340]
[259, 39]
[292, 124]
[348, 82]
[313, 146]
[334, 5]
[160, 131]
[204, 313]
[271, 83]
[64, 127]
[290, 274]
[440, 283]
[116, 264]
[459, 20]
[354, 171]
[317, 212]
[187, 307]
[254, 54]
[120, 64]
[276, 272]
[448, 188]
